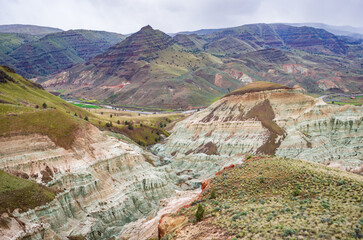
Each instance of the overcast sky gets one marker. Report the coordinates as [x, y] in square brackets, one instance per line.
[127, 16]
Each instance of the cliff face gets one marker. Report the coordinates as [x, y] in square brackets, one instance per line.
[264, 118]
[102, 184]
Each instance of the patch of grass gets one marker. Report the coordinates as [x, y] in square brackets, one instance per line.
[16, 193]
[58, 126]
[147, 129]
[295, 199]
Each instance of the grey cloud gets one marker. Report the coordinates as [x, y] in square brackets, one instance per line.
[126, 16]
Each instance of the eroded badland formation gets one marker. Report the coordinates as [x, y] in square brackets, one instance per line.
[263, 159]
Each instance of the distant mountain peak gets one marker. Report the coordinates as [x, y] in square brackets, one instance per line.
[147, 27]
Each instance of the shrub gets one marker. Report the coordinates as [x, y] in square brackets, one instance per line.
[248, 157]
[45, 105]
[296, 192]
[86, 118]
[110, 115]
[288, 232]
[199, 213]
[262, 180]
[130, 127]
[36, 106]
[212, 194]
[118, 122]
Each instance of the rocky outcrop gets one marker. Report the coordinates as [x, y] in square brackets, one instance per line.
[102, 185]
[264, 118]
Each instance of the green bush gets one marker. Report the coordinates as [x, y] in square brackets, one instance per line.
[212, 194]
[199, 213]
[288, 232]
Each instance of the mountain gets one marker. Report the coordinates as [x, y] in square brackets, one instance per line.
[146, 69]
[337, 30]
[271, 198]
[11, 41]
[28, 29]
[154, 70]
[267, 118]
[61, 50]
[283, 36]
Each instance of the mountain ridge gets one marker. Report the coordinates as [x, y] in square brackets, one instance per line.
[28, 29]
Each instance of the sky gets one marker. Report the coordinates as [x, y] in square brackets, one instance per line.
[128, 16]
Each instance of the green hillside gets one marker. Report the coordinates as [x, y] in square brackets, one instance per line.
[17, 192]
[22, 110]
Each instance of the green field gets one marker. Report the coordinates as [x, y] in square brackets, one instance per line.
[85, 105]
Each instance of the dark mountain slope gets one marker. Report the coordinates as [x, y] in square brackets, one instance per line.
[61, 50]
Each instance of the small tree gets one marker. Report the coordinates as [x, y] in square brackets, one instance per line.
[199, 213]
[86, 118]
[36, 106]
[110, 115]
[108, 125]
[126, 123]
[118, 122]
[75, 114]
[45, 105]
[130, 127]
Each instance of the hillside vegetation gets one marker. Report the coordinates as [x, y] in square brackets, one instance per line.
[25, 108]
[20, 193]
[277, 198]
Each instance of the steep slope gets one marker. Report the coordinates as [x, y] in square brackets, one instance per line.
[267, 118]
[28, 29]
[92, 182]
[273, 198]
[146, 69]
[10, 41]
[191, 42]
[62, 50]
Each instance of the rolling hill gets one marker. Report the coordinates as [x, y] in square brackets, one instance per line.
[28, 29]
